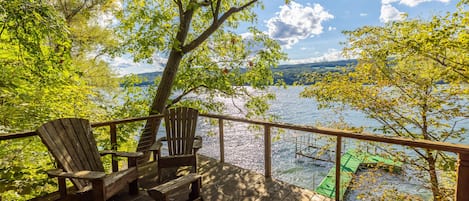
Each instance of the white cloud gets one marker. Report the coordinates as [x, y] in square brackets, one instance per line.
[331, 28]
[106, 19]
[390, 13]
[296, 22]
[411, 3]
[253, 45]
[246, 35]
[125, 65]
[363, 14]
[388, 1]
[330, 55]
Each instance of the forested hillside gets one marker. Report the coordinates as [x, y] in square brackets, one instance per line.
[289, 73]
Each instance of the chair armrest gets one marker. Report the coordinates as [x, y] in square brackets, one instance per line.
[122, 154]
[197, 142]
[156, 148]
[158, 144]
[88, 175]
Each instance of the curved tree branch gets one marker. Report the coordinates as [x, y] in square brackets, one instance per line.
[178, 98]
[217, 22]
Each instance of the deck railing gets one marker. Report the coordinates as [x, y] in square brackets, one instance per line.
[462, 194]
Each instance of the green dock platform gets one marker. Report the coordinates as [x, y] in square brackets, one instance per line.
[350, 162]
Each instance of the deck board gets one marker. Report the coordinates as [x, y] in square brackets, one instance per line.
[228, 182]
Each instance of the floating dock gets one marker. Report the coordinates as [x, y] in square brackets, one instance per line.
[350, 162]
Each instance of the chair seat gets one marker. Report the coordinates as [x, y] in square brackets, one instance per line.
[163, 191]
[119, 180]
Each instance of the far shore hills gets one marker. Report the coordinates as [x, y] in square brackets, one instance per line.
[291, 73]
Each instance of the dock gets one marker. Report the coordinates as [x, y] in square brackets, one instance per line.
[350, 163]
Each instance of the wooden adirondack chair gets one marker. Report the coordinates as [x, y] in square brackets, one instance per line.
[182, 143]
[73, 146]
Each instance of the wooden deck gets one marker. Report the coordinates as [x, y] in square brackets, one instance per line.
[226, 182]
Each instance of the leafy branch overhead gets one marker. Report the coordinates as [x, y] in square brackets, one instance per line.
[195, 36]
[50, 68]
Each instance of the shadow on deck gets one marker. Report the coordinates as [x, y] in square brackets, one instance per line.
[229, 182]
[223, 182]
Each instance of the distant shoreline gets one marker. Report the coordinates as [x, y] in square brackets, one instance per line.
[290, 72]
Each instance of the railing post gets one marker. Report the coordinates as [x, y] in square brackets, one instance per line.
[296, 147]
[222, 141]
[462, 192]
[338, 152]
[113, 132]
[267, 152]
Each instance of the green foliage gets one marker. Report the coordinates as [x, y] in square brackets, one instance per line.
[46, 73]
[36, 77]
[217, 72]
[22, 169]
[218, 66]
[411, 77]
[91, 38]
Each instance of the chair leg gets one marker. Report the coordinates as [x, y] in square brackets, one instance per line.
[195, 189]
[159, 175]
[194, 164]
[98, 190]
[133, 187]
[62, 188]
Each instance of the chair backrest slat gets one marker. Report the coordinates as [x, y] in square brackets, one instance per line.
[72, 144]
[180, 129]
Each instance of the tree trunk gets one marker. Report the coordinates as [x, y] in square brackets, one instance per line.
[148, 136]
[433, 178]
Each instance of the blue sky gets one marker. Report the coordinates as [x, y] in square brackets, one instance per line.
[310, 30]
[318, 37]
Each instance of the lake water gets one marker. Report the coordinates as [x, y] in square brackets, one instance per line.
[244, 146]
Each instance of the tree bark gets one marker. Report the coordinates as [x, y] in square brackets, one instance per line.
[433, 178]
[163, 92]
[148, 136]
[179, 49]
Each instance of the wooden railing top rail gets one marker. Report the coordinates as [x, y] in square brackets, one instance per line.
[443, 146]
[10, 136]
[128, 120]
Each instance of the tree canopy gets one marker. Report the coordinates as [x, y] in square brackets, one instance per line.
[204, 54]
[49, 69]
[412, 77]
